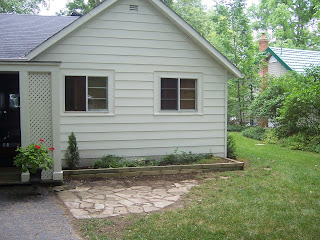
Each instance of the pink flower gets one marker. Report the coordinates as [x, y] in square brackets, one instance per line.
[41, 140]
[51, 149]
[37, 146]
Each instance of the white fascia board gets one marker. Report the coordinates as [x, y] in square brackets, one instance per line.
[30, 63]
[13, 59]
[70, 28]
[195, 36]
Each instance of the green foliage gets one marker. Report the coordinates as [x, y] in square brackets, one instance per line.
[108, 161]
[21, 6]
[302, 142]
[33, 156]
[257, 133]
[246, 204]
[72, 153]
[233, 37]
[271, 136]
[292, 21]
[231, 147]
[113, 161]
[270, 101]
[80, 7]
[183, 158]
[194, 13]
[299, 141]
[168, 2]
[291, 102]
[235, 128]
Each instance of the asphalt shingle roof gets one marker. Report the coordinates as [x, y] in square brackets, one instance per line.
[297, 59]
[20, 34]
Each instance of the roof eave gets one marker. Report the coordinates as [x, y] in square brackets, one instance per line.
[13, 59]
[268, 50]
[70, 28]
[184, 26]
[195, 36]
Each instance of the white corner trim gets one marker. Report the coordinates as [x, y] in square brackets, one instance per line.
[57, 176]
[25, 176]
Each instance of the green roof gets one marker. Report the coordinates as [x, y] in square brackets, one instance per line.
[295, 59]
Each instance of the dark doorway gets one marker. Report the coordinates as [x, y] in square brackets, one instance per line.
[10, 134]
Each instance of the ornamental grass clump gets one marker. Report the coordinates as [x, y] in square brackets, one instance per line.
[34, 156]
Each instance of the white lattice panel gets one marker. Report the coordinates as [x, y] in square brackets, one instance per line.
[40, 112]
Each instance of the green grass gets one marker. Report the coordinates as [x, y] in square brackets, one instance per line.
[276, 197]
[91, 228]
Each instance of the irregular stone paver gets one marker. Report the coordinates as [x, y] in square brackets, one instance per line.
[115, 197]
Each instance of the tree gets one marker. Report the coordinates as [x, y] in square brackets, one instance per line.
[80, 7]
[168, 2]
[292, 22]
[233, 37]
[193, 12]
[292, 103]
[72, 153]
[21, 6]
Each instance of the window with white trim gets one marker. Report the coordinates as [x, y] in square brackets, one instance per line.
[178, 94]
[86, 93]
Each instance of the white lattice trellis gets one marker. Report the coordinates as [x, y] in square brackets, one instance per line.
[40, 111]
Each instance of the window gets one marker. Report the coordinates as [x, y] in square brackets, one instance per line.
[86, 93]
[178, 94]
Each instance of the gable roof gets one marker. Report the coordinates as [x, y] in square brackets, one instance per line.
[65, 30]
[20, 34]
[295, 59]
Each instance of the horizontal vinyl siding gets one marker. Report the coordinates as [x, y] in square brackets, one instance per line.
[135, 46]
[154, 151]
[276, 69]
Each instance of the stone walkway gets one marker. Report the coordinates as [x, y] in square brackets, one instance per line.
[102, 199]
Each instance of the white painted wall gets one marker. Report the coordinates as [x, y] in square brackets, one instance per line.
[134, 46]
[276, 68]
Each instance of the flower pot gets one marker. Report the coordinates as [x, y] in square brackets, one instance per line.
[35, 178]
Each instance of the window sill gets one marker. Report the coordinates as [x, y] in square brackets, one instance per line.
[87, 114]
[178, 114]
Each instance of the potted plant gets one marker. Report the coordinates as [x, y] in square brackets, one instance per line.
[34, 158]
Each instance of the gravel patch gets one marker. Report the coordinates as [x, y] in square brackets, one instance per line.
[23, 216]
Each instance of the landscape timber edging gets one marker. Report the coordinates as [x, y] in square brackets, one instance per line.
[231, 165]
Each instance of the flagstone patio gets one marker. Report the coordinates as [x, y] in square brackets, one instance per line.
[107, 198]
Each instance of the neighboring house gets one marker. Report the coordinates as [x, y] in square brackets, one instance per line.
[129, 78]
[281, 60]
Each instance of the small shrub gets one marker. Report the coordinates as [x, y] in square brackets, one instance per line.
[183, 158]
[72, 153]
[257, 133]
[271, 136]
[302, 141]
[235, 128]
[231, 147]
[109, 161]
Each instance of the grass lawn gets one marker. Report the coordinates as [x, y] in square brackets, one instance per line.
[276, 197]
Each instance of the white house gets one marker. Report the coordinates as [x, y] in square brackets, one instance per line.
[129, 78]
[281, 60]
